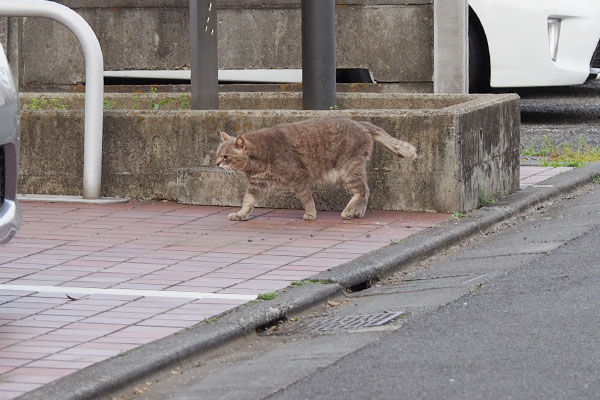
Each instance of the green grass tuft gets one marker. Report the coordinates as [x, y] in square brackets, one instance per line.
[267, 296]
[486, 199]
[565, 154]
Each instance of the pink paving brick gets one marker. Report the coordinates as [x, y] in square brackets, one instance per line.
[533, 175]
[253, 267]
[269, 260]
[195, 289]
[19, 378]
[64, 358]
[214, 282]
[17, 387]
[321, 261]
[21, 355]
[266, 285]
[54, 372]
[304, 268]
[241, 273]
[13, 362]
[59, 364]
[37, 350]
[286, 275]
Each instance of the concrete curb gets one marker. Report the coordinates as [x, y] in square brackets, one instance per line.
[112, 374]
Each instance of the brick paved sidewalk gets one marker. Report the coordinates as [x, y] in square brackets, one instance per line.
[530, 175]
[82, 283]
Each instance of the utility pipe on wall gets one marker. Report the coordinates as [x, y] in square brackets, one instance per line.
[318, 54]
[94, 80]
[204, 60]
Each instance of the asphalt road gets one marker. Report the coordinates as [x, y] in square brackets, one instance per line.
[512, 313]
[531, 333]
[561, 114]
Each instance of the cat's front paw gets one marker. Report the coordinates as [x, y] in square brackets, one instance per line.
[353, 213]
[235, 217]
[310, 216]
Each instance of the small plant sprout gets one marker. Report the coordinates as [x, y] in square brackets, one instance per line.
[36, 104]
[310, 282]
[33, 104]
[267, 296]
[184, 102]
[154, 104]
[109, 104]
[56, 104]
[486, 199]
[457, 215]
[596, 179]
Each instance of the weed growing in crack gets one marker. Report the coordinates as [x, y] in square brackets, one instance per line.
[564, 154]
[486, 199]
[267, 296]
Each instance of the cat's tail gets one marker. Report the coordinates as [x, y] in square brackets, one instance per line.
[396, 146]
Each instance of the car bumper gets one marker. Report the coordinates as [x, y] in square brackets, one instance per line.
[10, 211]
[10, 220]
[518, 39]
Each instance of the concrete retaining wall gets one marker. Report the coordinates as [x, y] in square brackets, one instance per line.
[392, 38]
[466, 143]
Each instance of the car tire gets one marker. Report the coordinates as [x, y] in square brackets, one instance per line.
[479, 59]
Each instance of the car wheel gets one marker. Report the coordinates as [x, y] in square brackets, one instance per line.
[479, 59]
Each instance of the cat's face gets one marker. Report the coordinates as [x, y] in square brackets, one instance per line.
[231, 154]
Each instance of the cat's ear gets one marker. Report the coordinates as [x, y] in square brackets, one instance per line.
[240, 143]
[225, 136]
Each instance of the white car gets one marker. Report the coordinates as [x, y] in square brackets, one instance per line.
[525, 43]
[10, 212]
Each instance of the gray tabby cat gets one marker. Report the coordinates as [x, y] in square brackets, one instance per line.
[298, 154]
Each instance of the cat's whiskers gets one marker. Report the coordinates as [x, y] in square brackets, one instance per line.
[228, 170]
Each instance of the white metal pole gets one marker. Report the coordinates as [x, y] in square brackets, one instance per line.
[94, 81]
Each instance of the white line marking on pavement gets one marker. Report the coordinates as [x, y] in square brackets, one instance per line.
[127, 292]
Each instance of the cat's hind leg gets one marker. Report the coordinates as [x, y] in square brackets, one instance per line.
[305, 195]
[355, 181]
[250, 199]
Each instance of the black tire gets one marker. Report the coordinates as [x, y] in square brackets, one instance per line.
[479, 59]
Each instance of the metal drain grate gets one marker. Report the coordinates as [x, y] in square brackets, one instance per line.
[352, 322]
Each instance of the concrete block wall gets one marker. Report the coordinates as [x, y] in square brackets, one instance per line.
[392, 38]
[466, 143]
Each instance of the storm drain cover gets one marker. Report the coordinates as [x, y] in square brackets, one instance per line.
[352, 322]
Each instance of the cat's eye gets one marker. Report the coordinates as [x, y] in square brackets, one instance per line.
[225, 157]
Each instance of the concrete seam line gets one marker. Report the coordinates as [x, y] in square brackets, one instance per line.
[115, 373]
